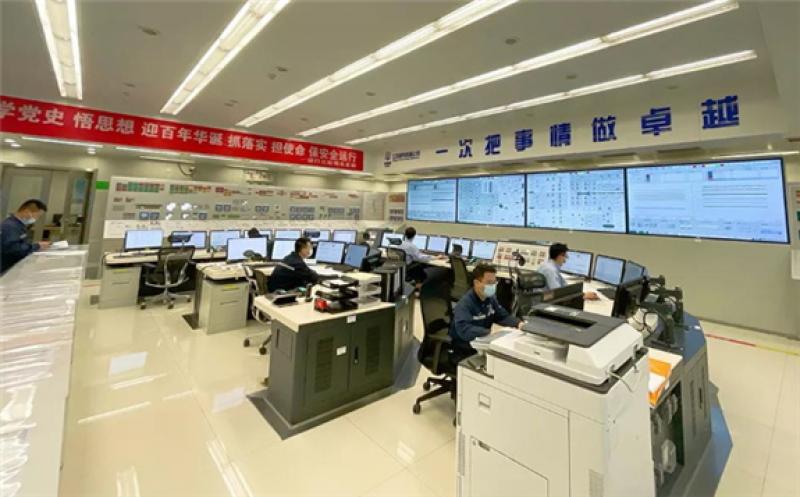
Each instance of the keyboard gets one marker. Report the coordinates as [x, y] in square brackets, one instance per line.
[342, 268]
[608, 292]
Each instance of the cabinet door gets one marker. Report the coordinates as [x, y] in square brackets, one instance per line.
[327, 367]
[371, 360]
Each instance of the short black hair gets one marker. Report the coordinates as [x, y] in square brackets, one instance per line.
[480, 270]
[300, 243]
[33, 202]
[557, 249]
[410, 233]
[366, 235]
[253, 233]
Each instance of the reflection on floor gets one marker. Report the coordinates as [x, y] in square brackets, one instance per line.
[157, 409]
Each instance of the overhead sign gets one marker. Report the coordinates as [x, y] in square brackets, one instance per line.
[52, 120]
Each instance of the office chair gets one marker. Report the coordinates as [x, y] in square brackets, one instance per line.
[435, 352]
[168, 272]
[396, 255]
[529, 287]
[257, 286]
[461, 278]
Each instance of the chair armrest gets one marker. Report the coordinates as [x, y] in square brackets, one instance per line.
[441, 336]
[152, 265]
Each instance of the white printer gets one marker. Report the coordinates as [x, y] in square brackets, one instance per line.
[559, 409]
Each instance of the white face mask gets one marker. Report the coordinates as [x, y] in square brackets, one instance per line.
[28, 221]
[490, 290]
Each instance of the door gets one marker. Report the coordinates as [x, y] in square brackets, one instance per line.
[20, 184]
[371, 362]
[327, 367]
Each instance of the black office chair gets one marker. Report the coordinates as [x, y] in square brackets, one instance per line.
[435, 352]
[461, 282]
[257, 286]
[168, 272]
[394, 254]
[529, 287]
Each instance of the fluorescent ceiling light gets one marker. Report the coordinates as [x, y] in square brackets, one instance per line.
[566, 53]
[212, 157]
[468, 14]
[757, 154]
[59, 21]
[10, 140]
[578, 92]
[245, 25]
[166, 159]
[62, 142]
[15, 145]
[146, 150]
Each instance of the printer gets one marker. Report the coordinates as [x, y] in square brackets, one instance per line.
[558, 408]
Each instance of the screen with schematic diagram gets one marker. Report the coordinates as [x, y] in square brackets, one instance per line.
[498, 200]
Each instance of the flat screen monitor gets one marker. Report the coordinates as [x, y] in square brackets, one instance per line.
[465, 246]
[287, 234]
[281, 248]
[578, 263]
[390, 236]
[738, 200]
[330, 252]
[484, 250]
[219, 239]
[237, 247]
[608, 269]
[346, 236]
[497, 200]
[420, 241]
[431, 200]
[317, 235]
[591, 200]
[355, 254]
[633, 272]
[198, 239]
[143, 239]
[437, 244]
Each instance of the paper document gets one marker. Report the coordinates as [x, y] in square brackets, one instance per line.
[656, 380]
[324, 271]
[59, 245]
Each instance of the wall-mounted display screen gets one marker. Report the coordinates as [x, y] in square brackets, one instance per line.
[498, 200]
[431, 200]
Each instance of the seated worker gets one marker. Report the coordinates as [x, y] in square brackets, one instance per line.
[477, 311]
[292, 272]
[414, 270]
[559, 253]
[254, 233]
[15, 242]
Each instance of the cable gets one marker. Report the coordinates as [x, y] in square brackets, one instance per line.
[620, 378]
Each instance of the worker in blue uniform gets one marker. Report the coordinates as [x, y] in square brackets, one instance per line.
[477, 311]
[15, 239]
[293, 272]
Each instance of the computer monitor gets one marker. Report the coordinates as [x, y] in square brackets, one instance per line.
[330, 252]
[387, 236]
[287, 234]
[355, 254]
[238, 246]
[578, 263]
[437, 244]
[317, 235]
[142, 239]
[420, 241]
[219, 239]
[346, 236]
[633, 271]
[281, 248]
[465, 246]
[608, 269]
[566, 296]
[483, 250]
[628, 297]
[197, 240]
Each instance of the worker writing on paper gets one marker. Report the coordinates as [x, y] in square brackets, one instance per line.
[15, 235]
[292, 272]
[551, 270]
[477, 311]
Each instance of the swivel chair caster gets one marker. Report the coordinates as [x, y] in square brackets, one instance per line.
[416, 409]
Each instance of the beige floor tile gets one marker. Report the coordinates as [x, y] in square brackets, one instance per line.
[408, 437]
[783, 475]
[739, 483]
[334, 459]
[751, 445]
[788, 415]
[437, 470]
[751, 336]
[403, 484]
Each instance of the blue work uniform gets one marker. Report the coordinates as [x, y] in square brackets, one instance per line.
[291, 273]
[473, 318]
[14, 243]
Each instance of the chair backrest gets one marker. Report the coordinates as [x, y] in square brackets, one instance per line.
[437, 313]
[257, 280]
[462, 280]
[173, 262]
[529, 287]
[396, 255]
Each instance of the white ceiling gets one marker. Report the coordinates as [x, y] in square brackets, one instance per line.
[311, 39]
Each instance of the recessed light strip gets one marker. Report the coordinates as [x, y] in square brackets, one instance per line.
[468, 14]
[59, 21]
[62, 142]
[757, 154]
[245, 25]
[578, 92]
[166, 159]
[648, 28]
[146, 150]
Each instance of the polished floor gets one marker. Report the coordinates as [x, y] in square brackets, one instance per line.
[159, 410]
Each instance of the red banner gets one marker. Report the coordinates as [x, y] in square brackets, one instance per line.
[34, 117]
